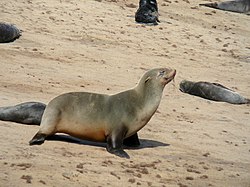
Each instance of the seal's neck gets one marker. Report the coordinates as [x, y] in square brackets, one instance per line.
[150, 94]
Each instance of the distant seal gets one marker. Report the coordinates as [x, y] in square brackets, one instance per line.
[27, 113]
[147, 12]
[8, 33]
[240, 6]
[114, 119]
[212, 91]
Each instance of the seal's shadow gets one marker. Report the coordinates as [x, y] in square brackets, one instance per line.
[145, 143]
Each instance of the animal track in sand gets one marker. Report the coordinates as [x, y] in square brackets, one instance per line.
[28, 178]
[22, 166]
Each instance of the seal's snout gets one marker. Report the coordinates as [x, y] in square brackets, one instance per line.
[182, 86]
[173, 73]
[185, 86]
[169, 75]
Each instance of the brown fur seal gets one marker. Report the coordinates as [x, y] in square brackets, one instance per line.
[8, 33]
[106, 118]
[240, 6]
[147, 12]
[27, 113]
[212, 91]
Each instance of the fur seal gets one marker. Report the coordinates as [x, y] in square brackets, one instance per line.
[147, 12]
[114, 119]
[212, 91]
[8, 33]
[240, 6]
[27, 113]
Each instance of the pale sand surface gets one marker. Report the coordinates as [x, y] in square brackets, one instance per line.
[87, 45]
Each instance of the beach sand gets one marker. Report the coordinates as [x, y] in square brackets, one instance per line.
[96, 46]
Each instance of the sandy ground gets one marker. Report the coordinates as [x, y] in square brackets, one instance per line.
[88, 45]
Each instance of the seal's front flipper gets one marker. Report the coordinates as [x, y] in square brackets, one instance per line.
[114, 143]
[113, 148]
[38, 139]
[132, 141]
[119, 152]
[220, 85]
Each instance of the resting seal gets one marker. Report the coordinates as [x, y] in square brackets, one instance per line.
[147, 12]
[114, 119]
[212, 91]
[8, 33]
[27, 113]
[240, 6]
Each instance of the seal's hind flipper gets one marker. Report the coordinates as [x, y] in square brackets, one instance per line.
[132, 141]
[38, 139]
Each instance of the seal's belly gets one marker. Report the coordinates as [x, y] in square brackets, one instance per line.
[83, 131]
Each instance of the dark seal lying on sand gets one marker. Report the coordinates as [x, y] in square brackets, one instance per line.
[212, 91]
[147, 12]
[26, 113]
[8, 33]
[240, 6]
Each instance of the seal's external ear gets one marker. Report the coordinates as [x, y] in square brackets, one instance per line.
[147, 79]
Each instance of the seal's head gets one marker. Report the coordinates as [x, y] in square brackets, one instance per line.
[150, 3]
[165, 75]
[185, 86]
[158, 77]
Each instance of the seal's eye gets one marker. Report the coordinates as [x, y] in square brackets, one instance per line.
[147, 79]
[161, 73]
